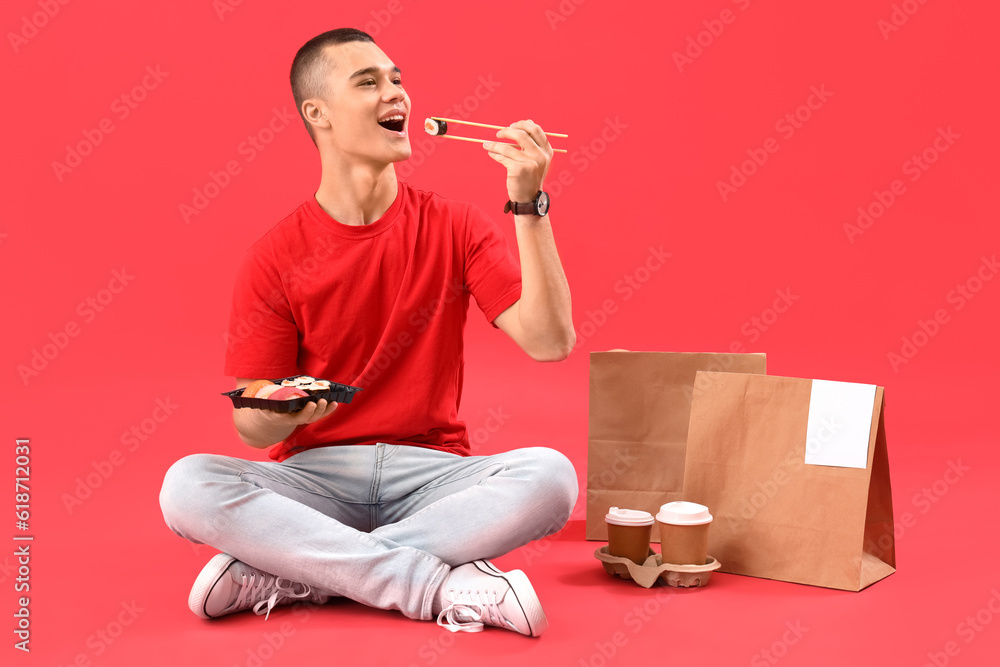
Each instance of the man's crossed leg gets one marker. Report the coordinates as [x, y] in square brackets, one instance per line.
[392, 527]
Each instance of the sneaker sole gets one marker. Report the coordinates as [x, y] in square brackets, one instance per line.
[208, 577]
[522, 589]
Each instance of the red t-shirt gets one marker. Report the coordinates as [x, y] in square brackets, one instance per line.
[379, 306]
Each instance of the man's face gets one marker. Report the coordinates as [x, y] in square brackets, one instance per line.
[367, 106]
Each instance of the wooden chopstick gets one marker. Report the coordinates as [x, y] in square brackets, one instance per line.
[495, 127]
[481, 141]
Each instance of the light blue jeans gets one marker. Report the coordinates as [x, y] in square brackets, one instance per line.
[380, 524]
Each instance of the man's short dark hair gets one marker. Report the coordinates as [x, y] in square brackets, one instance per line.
[310, 66]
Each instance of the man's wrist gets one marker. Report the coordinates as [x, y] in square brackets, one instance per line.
[531, 226]
[257, 429]
[538, 206]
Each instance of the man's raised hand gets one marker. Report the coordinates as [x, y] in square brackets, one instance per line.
[527, 163]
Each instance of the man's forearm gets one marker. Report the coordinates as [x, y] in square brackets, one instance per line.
[545, 310]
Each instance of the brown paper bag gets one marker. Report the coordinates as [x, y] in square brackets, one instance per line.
[776, 516]
[639, 408]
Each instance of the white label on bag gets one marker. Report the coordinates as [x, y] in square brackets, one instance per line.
[840, 422]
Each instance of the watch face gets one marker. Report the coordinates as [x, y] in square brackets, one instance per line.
[542, 205]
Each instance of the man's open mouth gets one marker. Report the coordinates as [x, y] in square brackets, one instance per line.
[394, 122]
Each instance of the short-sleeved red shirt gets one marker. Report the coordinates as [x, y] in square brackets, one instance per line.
[379, 306]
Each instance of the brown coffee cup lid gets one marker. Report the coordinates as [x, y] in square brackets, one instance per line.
[623, 517]
[683, 513]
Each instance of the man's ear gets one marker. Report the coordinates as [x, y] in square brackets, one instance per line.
[315, 114]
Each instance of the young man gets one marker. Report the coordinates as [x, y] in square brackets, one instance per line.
[368, 283]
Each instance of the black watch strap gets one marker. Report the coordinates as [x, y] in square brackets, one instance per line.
[519, 208]
[538, 206]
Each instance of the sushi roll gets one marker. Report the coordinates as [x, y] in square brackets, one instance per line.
[315, 386]
[303, 380]
[289, 383]
[325, 384]
[435, 128]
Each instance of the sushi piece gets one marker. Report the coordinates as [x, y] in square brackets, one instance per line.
[315, 386]
[251, 389]
[287, 393]
[266, 392]
[435, 128]
[304, 379]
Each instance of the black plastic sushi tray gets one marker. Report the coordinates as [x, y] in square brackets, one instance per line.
[339, 393]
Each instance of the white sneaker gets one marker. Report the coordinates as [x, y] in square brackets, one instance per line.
[481, 594]
[227, 585]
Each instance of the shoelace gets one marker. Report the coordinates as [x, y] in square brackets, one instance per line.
[468, 609]
[254, 588]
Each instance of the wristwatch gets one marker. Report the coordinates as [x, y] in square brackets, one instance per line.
[539, 206]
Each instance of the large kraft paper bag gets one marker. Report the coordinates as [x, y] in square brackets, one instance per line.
[639, 408]
[775, 515]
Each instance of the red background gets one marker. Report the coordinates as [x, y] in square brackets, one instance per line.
[575, 67]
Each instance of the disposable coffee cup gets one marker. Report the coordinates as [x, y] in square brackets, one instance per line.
[628, 533]
[684, 533]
